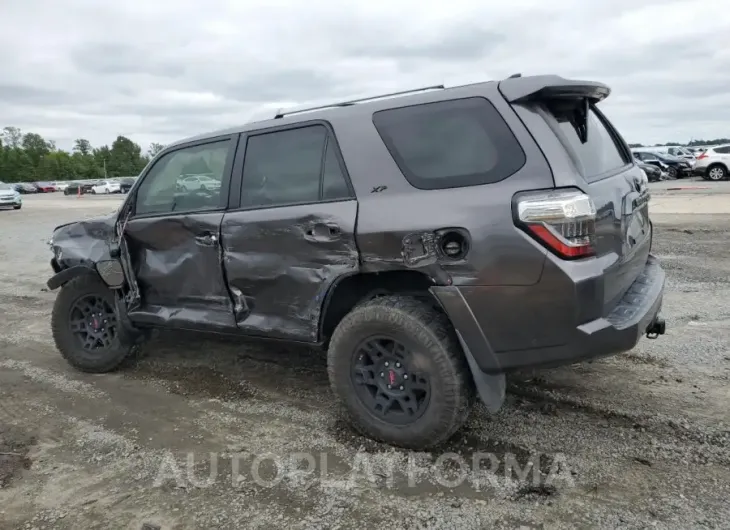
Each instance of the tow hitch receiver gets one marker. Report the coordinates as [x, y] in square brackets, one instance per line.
[657, 327]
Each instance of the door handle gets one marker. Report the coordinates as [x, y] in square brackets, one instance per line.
[322, 232]
[207, 239]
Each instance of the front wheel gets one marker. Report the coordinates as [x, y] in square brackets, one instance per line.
[17, 207]
[85, 326]
[396, 365]
[672, 172]
[716, 173]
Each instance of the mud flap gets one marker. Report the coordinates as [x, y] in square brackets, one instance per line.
[479, 354]
[491, 388]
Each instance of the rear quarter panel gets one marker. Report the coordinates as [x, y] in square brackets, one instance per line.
[391, 210]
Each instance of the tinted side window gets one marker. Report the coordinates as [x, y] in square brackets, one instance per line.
[292, 166]
[283, 167]
[450, 144]
[334, 185]
[163, 189]
[600, 153]
[722, 150]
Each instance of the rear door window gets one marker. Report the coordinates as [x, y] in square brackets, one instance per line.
[596, 150]
[450, 144]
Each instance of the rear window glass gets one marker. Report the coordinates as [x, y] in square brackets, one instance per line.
[450, 144]
[722, 150]
[599, 154]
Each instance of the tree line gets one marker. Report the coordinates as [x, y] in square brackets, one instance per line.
[693, 143]
[28, 157]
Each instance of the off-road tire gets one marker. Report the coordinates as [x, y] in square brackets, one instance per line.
[68, 345]
[428, 330]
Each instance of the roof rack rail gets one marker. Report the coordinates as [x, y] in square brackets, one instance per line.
[281, 113]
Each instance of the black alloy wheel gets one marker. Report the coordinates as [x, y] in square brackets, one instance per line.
[386, 383]
[93, 322]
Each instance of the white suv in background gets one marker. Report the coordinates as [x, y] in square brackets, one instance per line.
[714, 163]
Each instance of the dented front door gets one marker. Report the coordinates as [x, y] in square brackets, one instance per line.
[280, 262]
[172, 237]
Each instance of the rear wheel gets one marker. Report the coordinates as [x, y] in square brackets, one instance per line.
[716, 173]
[85, 326]
[397, 367]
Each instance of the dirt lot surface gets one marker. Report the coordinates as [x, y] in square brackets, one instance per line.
[180, 437]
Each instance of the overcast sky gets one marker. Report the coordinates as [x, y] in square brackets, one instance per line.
[161, 70]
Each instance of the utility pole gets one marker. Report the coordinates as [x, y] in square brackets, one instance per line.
[105, 168]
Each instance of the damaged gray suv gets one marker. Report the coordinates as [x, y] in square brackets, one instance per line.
[429, 241]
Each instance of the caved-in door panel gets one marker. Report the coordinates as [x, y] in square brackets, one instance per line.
[280, 262]
[177, 261]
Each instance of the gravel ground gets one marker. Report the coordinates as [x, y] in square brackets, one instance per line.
[189, 434]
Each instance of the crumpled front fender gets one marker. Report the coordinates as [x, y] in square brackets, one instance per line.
[66, 275]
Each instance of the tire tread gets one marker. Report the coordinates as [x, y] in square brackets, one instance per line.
[433, 329]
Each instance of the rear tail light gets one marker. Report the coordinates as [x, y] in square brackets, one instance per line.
[564, 221]
[701, 156]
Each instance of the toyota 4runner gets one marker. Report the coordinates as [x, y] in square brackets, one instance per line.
[430, 241]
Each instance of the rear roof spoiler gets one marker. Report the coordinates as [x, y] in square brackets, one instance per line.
[522, 89]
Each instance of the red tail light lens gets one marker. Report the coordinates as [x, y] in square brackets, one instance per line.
[564, 221]
[701, 156]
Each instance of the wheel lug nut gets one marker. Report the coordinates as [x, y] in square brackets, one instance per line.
[386, 363]
[382, 374]
[397, 365]
[389, 386]
[405, 376]
[401, 387]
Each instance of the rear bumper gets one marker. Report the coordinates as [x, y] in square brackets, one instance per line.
[618, 332]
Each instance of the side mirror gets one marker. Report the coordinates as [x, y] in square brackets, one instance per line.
[111, 273]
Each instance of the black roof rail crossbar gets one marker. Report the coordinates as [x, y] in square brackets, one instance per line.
[282, 113]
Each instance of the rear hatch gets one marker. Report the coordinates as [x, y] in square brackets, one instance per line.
[586, 152]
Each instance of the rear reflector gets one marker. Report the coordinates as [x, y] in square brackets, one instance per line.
[564, 221]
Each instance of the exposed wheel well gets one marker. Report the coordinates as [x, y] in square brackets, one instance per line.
[715, 164]
[352, 290]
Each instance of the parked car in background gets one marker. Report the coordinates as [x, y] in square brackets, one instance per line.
[73, 188]
[653, 173]
[25, 188]
[651, 160]
[60, 185]
[106, 186]
[44, 187]
[714, 163]
[126, 184]
[9, 197]
[198, 182]
[676, 167]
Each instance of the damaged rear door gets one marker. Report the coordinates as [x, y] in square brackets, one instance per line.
[173, 239]
[290, 230]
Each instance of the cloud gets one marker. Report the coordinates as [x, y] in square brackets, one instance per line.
[83, 68]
